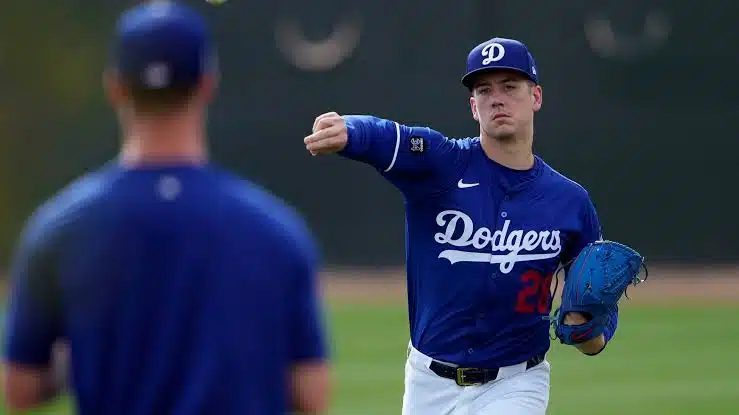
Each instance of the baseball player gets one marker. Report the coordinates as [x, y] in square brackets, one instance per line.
[177, 287]
[487, 225]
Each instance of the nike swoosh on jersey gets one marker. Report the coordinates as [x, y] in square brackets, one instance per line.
[463, 185]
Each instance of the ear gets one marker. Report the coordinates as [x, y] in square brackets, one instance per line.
[536, 93]
[114, 90]
[473, 108]
[208, 87]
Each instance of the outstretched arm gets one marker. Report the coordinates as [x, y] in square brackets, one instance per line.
[400, 153]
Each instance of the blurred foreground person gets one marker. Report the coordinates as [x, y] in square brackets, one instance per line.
[177, 287]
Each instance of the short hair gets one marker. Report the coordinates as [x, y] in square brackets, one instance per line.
[160, 101]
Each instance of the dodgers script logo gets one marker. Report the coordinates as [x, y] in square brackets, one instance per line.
[515, 244]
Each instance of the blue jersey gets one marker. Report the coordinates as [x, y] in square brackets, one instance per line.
[482, 241]
[180, 290]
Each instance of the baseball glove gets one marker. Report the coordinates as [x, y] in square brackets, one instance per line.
[597, 279]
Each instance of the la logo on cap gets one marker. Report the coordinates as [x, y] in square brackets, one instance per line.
[157, 75]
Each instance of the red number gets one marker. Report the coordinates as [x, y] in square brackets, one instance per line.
[537, 285]
[531, 280]
[545, 296]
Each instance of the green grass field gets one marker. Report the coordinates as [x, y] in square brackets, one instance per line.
[662, 361]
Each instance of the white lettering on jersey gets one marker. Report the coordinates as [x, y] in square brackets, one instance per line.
[511, 242]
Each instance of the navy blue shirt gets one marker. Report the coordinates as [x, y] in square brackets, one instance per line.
[482, 241]
[181, 290]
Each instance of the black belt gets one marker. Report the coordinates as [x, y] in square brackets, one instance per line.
[469, 376]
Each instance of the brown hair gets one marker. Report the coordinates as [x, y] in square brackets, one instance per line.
[157, 101]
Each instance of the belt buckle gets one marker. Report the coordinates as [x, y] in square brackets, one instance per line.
[461, 371]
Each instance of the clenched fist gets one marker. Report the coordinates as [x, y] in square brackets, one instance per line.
[329, 134]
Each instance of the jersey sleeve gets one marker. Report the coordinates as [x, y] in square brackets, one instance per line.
[34, 318]
[307, 329]
[412, 158]
[590, 231]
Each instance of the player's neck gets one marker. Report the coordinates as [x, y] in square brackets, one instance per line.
[516, 154]
[164, 141]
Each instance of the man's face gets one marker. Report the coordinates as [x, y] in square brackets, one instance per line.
[504, 102]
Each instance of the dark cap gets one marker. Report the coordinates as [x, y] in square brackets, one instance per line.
[500, 54]
[162, 44]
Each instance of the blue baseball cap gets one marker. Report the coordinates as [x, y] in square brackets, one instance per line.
[500, 53]
[162, 44]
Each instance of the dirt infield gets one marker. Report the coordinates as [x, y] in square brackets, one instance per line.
[702, 285]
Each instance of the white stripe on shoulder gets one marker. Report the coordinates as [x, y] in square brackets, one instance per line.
[397, 146]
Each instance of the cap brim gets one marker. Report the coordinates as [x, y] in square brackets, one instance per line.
[467, 78]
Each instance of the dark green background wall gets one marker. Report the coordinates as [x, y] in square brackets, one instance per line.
[645, 116]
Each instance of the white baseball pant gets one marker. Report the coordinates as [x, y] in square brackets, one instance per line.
[516, 391]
